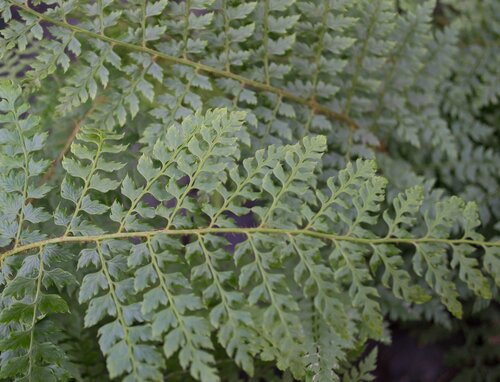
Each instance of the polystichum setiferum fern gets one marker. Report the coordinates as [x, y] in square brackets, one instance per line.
[183, 229]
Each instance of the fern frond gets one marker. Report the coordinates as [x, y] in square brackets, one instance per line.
[143, 67]
[163, 273]
[185, 228]
[21, 165]
[28, 351]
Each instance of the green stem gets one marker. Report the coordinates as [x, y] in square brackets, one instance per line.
[319, 51]
[26, 179]
[387, 82]
[270, 123]
[34, 319]
[227, 42]
[237, 192]
[252, 230]
[361, 58]
[143, 22]
[101, 19]
[285, 187]
[119, 312]
[86, 187]
[193, 178]
[179, 317]
[152, 181]
[270, 291]
[218, 283]
[265, 41]
[185, 32]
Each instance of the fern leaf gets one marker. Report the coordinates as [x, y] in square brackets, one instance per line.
[159, 273]
[185, 228]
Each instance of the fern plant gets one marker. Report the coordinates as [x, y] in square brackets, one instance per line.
[218, 189]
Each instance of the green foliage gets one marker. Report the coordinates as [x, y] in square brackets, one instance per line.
[362, 372]
[182, 232]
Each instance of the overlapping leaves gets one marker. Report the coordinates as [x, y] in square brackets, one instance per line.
[162, 279]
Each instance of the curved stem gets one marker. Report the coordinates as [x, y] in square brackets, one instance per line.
[252, 230]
